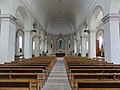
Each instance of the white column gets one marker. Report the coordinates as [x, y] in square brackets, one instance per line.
[17, 46]
[27, 45]
[78, 45]
[111, 38]
[75, 46]
[7, 39]
[92, 44]
[84, 46]
[45, 45]
[37, 47]
[42, 45]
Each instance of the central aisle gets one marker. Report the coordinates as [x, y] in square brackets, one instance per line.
[57, 79]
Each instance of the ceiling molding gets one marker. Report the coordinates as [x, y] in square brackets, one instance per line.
[85, 13]
[33, 13]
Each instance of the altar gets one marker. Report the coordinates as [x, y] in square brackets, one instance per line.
[60, 54]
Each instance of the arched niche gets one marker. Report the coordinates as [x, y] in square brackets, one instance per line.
[22, 17]
[21, 25]
[51, 44]
[19, 43]
[60, 44]
[95, 26]
[100, 42]
[69, 44]
[33, 46]
[96, 18]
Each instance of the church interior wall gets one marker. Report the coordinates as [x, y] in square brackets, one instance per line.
[26, 18]
[65, 49]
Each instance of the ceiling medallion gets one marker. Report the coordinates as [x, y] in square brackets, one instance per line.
[59, 1]
[60, 11]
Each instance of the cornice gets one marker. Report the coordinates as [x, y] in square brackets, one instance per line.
[8, 16]
[111, 17]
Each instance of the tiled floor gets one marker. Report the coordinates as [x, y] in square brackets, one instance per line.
[58, 79]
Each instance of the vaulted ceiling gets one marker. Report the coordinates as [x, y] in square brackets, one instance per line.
[49, 10]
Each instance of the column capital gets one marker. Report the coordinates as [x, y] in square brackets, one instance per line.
[37, 36]
[111, 17]
[84, 36]
[41, 39]
[25, 30]
[78, 39]
[92, 32]
[8, 16]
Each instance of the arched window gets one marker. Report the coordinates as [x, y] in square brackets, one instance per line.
[69, 44]
[87, 44]
[51, 44]
[20, 43]
[100, 41]
[33, 45]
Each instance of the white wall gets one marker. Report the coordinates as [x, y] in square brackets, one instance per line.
[60, 25]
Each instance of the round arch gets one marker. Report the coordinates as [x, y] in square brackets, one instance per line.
[22, 19]
[95, 24]
[100, 42]
[24, 15]
[60, 25]
[19, 47]
[96, 17]
[100, 32]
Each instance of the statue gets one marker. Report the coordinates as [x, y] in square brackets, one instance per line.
[60, 43]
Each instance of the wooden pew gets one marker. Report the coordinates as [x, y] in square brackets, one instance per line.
[45, 68]
[34, 79]
[97, 85]
[94, 67]
[108, 71]
[25, 70]
[96, 77]
[15, 85]
[36, 61]
[41, 73]
[92, 74]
